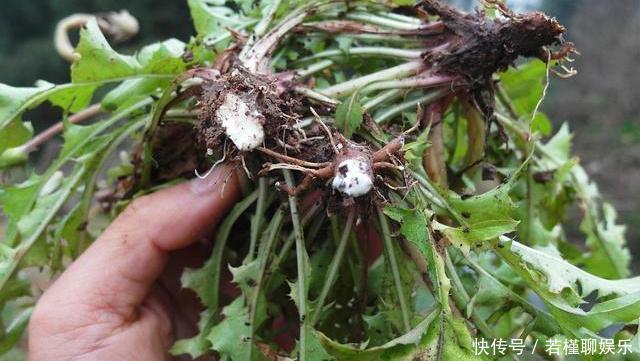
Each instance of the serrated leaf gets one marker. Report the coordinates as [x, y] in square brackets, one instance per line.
[486, 294]
[466, 238]
[76, 136]
[210, 17]
[197, 345]
[15, 133]
[13, 334]
[458, 342]
[558, 148]
[349, 115]
[196, 280]
[71, 98]
[421, 343]
[552, 276]
[41, 197]
[12, 100]
[201, 280]
[379, 327]
[413, 225]
[622, 309]
[560, 274]
[15, 202]
[495, 204]
[525, 85]
[413, 151]
[99, 64]
[162, 58]
[293, 292]
[33, 222]
[132, 91]
[245, 275]
[12, 137]
[314, 348]
[98, 60]
[612, 236]
[397, 349]
[487, 217]
[232, 336]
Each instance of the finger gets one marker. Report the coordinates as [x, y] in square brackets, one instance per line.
[118, 270]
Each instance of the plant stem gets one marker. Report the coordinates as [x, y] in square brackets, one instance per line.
[397, 72]
[273, 231]
[461, 297]
[158, 112]
[255, 58]
[47, 134]
[292, 160]
[213, 40]
[403, 18]
[314, 68]
[300, 260]
[70, 154]
[14, 256]
[420, 81]
[531, 210]
[256, 221]
[402, 107]
[221, 241]
[434, 160]
[393, 263]
[266, 20]
[333, 268]
[525, 303]
[90, 184]
[383, 21]
[312, 94]
[408, 54]
[382, 98]
[284, 251]
[431, 193]
[386, 38]
[505, 101]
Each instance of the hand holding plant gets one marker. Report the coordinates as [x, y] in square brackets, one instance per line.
[111, 303]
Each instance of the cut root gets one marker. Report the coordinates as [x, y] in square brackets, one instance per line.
[353, 177]
[242, 125]
[352, 173]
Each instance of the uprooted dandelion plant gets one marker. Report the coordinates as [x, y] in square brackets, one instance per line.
[399, 198]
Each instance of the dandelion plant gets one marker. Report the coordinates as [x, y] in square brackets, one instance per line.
[403, 195]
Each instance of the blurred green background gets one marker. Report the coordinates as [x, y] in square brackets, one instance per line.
[601, 103]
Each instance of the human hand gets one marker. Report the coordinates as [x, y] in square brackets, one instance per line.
[106, 305]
